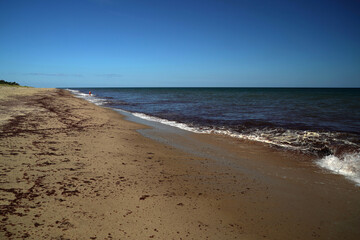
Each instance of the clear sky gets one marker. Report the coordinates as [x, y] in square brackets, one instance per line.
[210, 43]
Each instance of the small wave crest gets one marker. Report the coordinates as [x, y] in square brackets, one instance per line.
[91, 98]
[298, 140]
[254, 136]
[347, 165]
[168, 122]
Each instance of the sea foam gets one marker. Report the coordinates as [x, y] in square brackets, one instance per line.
[207, 130]
[91, 98]
[347, 165]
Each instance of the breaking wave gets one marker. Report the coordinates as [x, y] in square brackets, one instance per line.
[347, 165]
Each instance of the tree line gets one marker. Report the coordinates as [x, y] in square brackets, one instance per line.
[9, 83]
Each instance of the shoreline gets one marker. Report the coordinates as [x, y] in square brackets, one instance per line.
[334, 151]
[75, 170]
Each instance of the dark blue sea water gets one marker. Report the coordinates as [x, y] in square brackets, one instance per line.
[323, 122]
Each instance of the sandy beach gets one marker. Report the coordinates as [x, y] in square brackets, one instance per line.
[72, 170]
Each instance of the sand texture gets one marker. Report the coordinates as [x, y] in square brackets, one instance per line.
[73, 170]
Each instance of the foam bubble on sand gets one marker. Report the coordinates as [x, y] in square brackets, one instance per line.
[347, 165]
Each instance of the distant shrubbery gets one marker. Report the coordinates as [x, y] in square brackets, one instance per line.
[9, 83]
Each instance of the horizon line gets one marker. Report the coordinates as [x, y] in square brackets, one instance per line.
[217, 87]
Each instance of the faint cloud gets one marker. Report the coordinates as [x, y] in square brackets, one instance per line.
[54, 74]
[102, 1]
[109, 75]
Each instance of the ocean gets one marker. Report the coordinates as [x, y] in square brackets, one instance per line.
[324, 122]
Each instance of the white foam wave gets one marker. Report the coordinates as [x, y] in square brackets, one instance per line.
[252, 137]
[168, 122]
[348, 165]
[91, 98]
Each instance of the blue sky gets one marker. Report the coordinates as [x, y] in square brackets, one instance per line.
[219, 43]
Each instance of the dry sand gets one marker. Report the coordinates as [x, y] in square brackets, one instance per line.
[73, 170]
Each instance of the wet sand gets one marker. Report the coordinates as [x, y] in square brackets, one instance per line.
[73, 170]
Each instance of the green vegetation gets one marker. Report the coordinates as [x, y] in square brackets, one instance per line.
[3, 82]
